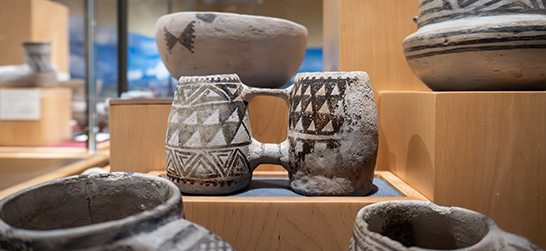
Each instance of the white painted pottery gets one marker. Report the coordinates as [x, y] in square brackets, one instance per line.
[113, 211]
[37, 72]
[479, 45]
[419, 225]
[331, 147]
[263, 51]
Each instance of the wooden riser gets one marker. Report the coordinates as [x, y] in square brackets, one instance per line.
[286, 223]
[485, 151]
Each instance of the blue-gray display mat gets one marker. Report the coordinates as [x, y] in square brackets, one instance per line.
[278, 187]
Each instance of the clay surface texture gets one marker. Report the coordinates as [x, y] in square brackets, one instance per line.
[117, 211]
[419, 225]
[263, 51]
[479, 45]
[333, 134]
[209, 135]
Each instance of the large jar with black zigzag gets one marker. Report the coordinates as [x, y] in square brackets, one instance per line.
[208, 136]
[479, 45]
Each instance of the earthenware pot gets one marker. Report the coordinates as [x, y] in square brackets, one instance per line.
[479, 45]
[333, 134]
[37, 72]
[419, 225]
[263, 51]
[117, 211]
[331, 147]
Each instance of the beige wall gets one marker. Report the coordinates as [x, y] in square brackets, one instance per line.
[144, 13]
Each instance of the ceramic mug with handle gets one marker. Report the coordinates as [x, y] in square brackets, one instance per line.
[332, 139]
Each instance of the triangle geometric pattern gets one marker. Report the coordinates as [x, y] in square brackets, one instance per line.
[206, 164]
[214, 125]
[317, 105]
[208, 133]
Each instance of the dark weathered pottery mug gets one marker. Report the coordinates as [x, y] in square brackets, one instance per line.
[419, 225]
[117, 211]
[332, 139]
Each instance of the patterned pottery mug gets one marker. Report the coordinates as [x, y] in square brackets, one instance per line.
[330, 150]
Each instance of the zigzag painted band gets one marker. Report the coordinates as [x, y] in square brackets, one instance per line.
[434, 11]
[426, 21]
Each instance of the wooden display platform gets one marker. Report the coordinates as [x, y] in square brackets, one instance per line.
[285, 223]
[485, 151]
[53, 126]
[38, 168]
[138, 128]
[367, 35]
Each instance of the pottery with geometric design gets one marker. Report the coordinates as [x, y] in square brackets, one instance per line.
[263, 51]
[331, 147]
[479, 45]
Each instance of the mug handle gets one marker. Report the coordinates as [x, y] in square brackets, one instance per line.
[268, 153]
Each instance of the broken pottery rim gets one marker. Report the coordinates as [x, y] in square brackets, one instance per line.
[165, 209]
[230, 14]
[361, 225]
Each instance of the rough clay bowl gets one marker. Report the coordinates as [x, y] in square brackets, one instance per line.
[420, 225]
[113, 211]
[263, 51]
[485, 45]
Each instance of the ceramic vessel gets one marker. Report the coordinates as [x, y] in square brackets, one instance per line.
[117, 211]
[479, 45]
[419, 225]
[331, 147]
[263, 51]
[209, 136]
[37, 72]
[333, 134]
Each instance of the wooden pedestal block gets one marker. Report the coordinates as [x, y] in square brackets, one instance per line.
[138, 128]
[53, 127]
[33, 20]
[485, 151]
[286, 223]
[367, 35]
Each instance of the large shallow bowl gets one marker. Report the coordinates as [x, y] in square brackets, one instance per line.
[263, 51]
[479, 45]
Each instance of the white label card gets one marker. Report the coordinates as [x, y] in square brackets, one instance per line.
[20, 104]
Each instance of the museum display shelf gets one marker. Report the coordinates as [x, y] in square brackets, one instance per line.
[34, 116]
[25, 169]
[268, 214]
[484, 151]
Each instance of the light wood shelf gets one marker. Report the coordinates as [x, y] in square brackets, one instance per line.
[485, 151]
[286, 223]
[77, 167]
